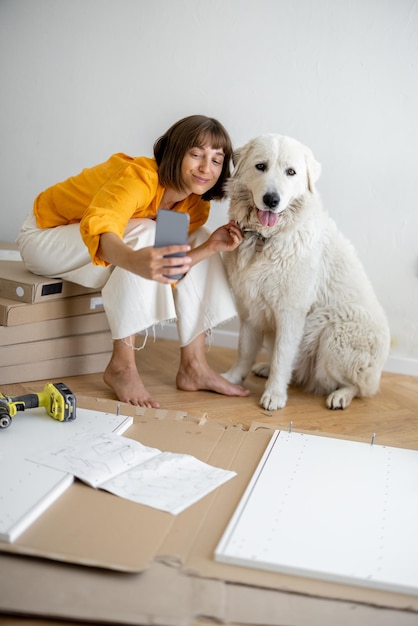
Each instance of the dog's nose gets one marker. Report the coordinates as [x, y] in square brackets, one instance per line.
[271, 199]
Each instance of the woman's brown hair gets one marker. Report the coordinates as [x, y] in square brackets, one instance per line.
[191, 132]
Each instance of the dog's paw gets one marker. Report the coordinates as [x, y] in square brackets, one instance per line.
[261, 369]
[273, 401]
[233, 377]
[340, 398]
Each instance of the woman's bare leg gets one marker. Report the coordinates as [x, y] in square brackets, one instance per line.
[195, 374]
[123, 377]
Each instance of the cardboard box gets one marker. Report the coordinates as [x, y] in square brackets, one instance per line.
[13, 313]
[18, 283]
[50, 329]
[56, 368]
[110, 560]
[57, 348]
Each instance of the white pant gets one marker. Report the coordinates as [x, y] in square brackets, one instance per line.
[199, 302]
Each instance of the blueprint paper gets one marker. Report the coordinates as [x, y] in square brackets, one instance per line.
[93, 457]
[163, 480]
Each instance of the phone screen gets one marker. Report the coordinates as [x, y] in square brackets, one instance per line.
[172, 229]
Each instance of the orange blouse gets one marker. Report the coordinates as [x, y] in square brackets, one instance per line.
[105, 197]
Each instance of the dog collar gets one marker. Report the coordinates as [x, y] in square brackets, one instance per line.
[260, 240]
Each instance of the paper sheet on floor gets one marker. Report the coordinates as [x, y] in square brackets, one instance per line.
[163, 480]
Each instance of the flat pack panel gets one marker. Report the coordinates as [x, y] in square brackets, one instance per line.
[27, 489]
[331, 509]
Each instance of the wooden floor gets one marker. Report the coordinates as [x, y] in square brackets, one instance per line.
[392, 414]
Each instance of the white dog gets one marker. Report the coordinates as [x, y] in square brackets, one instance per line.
[299, 287]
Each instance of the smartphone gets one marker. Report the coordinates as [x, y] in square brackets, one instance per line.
[172, 229]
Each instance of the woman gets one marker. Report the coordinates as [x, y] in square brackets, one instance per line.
[97, 229]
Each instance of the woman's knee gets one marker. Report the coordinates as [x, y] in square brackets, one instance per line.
[139, 233]
[199, 236]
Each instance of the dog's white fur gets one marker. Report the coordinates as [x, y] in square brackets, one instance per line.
[299, 286]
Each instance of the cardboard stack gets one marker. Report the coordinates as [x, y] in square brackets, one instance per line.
[49, 328]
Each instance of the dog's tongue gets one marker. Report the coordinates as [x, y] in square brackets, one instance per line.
[267, 218]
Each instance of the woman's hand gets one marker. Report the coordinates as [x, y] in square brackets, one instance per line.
[151, 263]
[225, 238]
[159, 264]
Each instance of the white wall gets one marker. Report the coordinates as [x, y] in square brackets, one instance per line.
[81, 79]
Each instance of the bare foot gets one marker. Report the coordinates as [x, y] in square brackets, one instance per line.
[200, 377]
[128, 386]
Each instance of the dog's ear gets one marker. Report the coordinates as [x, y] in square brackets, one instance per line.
[313, 168]
[237, 155]
[238, 158]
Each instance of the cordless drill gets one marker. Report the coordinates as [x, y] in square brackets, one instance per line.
[57, 398]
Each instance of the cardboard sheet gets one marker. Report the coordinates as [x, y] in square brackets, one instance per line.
[50, 535]
[140, 556]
